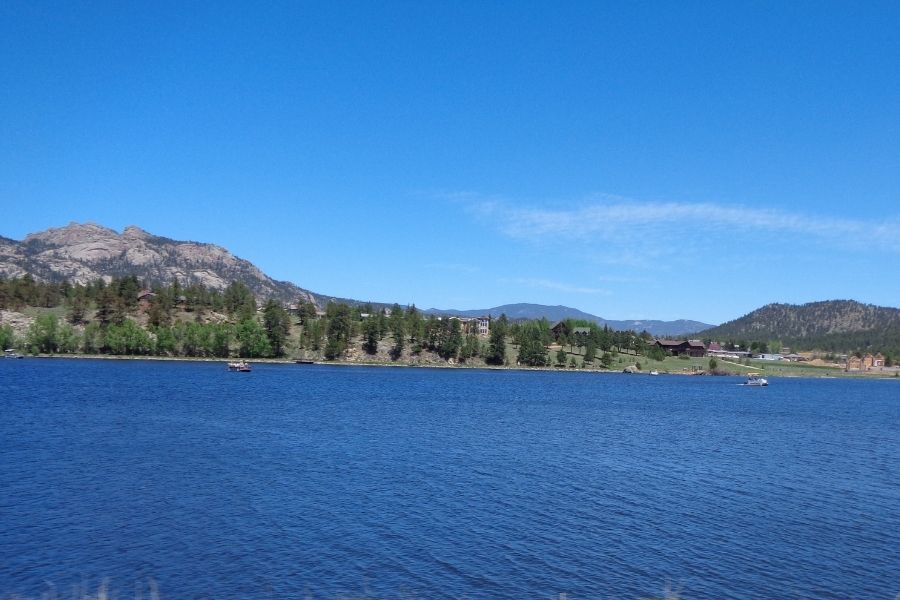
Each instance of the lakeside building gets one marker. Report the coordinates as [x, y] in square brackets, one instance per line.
[694, 348]
[865, 363]
[478, 325]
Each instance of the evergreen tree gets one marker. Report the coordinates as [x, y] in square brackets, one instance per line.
[590, 350]
[532, 351]
[606, 360]
[78, 305]
[496, 353]
[471, 346]
[278, 325]
[340, 329]
[451, 339]
[415, 326]
[371, 335]
[239, 301]
[561, 356]
[397, 325]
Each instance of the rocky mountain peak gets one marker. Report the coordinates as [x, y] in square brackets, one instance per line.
[73, 233]
[135, 232]
[84, 252]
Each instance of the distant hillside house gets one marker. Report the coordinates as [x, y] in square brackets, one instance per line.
[868, 361]
[144, 298]
[484, 326]
[854, 363]
[479, 325]
[682, 347]
[561, 329]
[766, 356]
[878, 360]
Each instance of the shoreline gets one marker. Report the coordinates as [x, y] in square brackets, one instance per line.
[895, 375]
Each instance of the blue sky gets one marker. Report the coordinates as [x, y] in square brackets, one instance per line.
[634, 160]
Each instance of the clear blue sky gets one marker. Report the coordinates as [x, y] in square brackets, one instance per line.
[634, 160]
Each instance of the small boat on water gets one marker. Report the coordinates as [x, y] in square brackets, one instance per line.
[239, 366]
[11, 353]
[756, 380]
[305, 361]
[654, 372]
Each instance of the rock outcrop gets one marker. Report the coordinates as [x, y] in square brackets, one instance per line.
[84, 252]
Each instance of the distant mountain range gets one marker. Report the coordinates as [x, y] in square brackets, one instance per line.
[830, 325]
[559, 313]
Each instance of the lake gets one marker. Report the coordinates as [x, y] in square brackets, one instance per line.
[183, 480]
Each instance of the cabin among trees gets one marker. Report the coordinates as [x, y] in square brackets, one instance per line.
[682, 347]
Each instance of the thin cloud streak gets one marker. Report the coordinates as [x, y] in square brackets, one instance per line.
[620, 219]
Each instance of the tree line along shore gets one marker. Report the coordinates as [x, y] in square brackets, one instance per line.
[126, 317]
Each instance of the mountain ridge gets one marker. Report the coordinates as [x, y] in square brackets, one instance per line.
[825, 325]
[559, 312]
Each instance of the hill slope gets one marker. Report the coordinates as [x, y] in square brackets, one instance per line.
[559, 313]
[830, 325]
[85, 252]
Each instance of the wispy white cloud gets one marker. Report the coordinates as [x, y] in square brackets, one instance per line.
[554, 285]
[650, 224]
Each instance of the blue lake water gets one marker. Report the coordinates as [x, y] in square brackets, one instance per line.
[324, 481]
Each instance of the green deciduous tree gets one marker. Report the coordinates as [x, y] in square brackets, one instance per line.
[128, 338]
[7, 337]
[253, 339]
[656, 353]
[43, 334]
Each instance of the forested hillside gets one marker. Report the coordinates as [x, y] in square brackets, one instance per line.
[128, 317]
[834, 325]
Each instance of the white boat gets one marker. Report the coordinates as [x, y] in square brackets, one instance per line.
[756, 380]
[241, 366]
[654, 372]
[11, 353]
